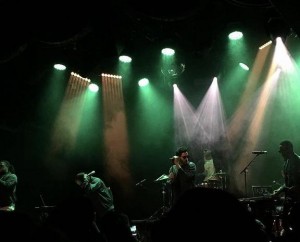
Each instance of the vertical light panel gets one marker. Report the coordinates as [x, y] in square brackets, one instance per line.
[115, 131]
[66, 125]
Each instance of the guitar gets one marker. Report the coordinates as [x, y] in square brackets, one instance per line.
[281, 190]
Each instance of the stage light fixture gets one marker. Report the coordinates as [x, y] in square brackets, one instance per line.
[59, 67]
[234, 30]
[93, 87]
[168, 51]
[125, 53]
[125, 58]
[235, 35]
[244, 66]
[143, 82]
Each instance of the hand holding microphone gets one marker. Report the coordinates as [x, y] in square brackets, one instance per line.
[87, 177]
[91, 173]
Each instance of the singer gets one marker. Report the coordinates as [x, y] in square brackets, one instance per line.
[182, 174]
[113, 225]
[95, 189]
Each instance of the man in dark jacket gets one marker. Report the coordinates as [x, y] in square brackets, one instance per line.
[8, 184]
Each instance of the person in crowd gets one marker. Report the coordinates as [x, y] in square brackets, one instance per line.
[181, 174]
[8, 185]
[74, 218]
[294, 225]
[291, 175]
[22, 226]
[202, 213]
[114, 225]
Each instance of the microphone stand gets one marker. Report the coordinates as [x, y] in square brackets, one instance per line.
[245, 170]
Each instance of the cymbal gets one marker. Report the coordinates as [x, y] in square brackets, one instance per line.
[162, 178]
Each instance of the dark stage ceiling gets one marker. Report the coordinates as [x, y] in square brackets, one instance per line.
[89, 35]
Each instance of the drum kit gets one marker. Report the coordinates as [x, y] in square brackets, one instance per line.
[217, 181]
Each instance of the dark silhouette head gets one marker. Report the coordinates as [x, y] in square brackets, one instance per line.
[286, 148]
[6, 167]
[207, 213]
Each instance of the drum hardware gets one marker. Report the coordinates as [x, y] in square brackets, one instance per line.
[245, 171]
[223, 178]
[163, 209]
[44, 210]
[214, 183]
[217, 181]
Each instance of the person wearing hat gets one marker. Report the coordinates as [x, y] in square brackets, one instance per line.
[181, 174]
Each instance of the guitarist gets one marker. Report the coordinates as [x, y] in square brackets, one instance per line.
[291, 175]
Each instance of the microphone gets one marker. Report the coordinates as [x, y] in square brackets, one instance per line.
[260, 152]
[91, 173]
[141, 182]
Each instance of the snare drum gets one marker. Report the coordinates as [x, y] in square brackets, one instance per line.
[214, 183]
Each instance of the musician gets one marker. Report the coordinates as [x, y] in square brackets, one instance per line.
[207, 176]
[290, 171]
[181, 174]
[8, 184]
[96, 190]
[113, 224]
[209, 166]
[291, 175]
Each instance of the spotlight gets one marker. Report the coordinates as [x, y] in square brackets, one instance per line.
[235, 35]
[93, 87]
[125, 58]
[60, 67]
[244, 66]
[143, 82]
[168, 51]
[234, 30]
[125, 54]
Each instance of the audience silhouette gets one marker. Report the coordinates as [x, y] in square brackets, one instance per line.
[75, 218]
[207, 213]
